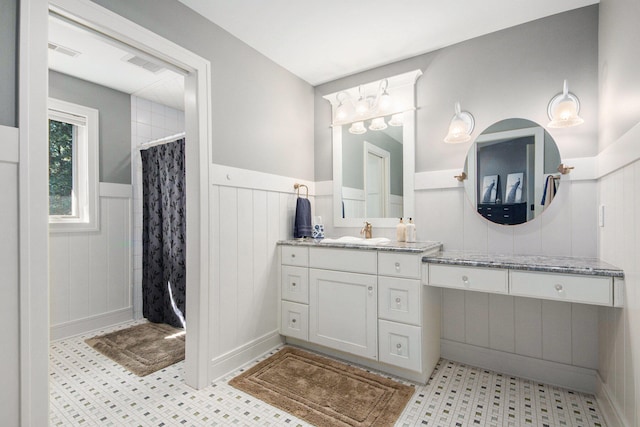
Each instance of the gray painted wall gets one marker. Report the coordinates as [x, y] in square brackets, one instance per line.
[509, 73]
[619, 62]
[262, 114]
[8, 62]
[114, 118]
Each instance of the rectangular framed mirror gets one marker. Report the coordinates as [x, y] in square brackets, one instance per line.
[374, 152]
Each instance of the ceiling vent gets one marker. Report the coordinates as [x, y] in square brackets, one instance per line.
[143, 63]
[63, 50]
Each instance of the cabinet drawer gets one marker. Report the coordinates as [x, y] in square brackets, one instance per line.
[469, 278]
[295, 284]
[399, 300]
[400, 345]
[353, 261]
[295, 255]
[399, 265]
[294, 320]
[563, 287]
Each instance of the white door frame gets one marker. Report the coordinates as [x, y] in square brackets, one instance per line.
[370, 148]
[33, 190]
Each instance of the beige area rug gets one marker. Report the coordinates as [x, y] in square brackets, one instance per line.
[324, 392]
[142, 349]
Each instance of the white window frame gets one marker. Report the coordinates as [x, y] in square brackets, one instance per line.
[86, 203]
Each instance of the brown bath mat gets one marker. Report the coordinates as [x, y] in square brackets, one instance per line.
[324, 392]
[142, 349]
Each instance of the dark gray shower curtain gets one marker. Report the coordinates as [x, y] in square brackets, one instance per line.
[163, 232]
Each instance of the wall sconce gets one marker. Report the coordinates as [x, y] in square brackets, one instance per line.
[563, 110]
[461, 126]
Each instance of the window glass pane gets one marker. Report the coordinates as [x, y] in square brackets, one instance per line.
[60, 168]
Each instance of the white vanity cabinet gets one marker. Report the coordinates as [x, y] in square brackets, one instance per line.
[294, 292]
[361, 304]
[575, 280]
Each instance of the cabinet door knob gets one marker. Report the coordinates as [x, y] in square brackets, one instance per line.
[293, 320]
[293, 284]
[465, 280]
[398, 300]
[397, 266]
[559, 288]
[370, 289]
[293, 255]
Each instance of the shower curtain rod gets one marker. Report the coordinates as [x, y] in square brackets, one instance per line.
[161, 141]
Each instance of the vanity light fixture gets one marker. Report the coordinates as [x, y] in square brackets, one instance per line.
[366, 106]
[461, 126]
[563, 109]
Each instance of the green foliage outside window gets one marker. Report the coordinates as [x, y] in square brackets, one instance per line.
[60, 168]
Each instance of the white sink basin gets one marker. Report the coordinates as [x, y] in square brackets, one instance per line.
[358, 240]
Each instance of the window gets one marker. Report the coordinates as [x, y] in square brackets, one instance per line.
[73, 167]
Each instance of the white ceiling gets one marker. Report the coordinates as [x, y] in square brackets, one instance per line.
[100, 61]
[323, 40]
[318, 41]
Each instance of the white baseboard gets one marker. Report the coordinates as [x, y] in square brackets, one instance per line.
[609, 408]
[81, 326]
[554, 373]
[232, 360]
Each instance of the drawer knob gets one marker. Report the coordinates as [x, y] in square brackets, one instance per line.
[293, 320]
[293, 284]
[398, 300]
[465, 280]
[559, 288]
[293, 255]
[397, 266]
[398, 346]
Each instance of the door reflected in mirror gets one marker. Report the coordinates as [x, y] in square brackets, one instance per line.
[512, 170]
[372, 172]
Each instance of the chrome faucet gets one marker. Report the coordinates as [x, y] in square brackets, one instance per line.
[366, 230]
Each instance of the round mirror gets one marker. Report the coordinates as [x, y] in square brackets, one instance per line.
[512, 171]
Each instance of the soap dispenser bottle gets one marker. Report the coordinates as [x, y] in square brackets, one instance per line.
[411, 231]
[401, 231]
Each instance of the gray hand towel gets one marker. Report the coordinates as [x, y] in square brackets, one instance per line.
[302, 226]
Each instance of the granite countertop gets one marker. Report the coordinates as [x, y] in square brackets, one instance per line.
[415, 247]
[552, 264]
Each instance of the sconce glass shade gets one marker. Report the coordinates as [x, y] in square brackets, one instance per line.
[378, 124]
[357, 128]
[563, 110]
[341, 112]
[461, 126]
[396, 120]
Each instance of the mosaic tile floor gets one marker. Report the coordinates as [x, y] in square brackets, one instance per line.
[88, 389]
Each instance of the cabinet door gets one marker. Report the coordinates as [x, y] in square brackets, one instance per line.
[343, 311]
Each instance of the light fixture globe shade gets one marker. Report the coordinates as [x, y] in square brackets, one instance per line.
[341, 113]
[384, 103]
[458, 131]
[565, 114]
[362, 107]
[357, 128]
[396, 120]
[378, 124]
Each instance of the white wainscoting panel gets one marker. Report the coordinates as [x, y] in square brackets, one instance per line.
[619, 328]
[91, 273]
[545, 330]
[246, 224]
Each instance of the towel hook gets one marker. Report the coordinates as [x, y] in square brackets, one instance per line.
[564, 169]
[297, 187]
